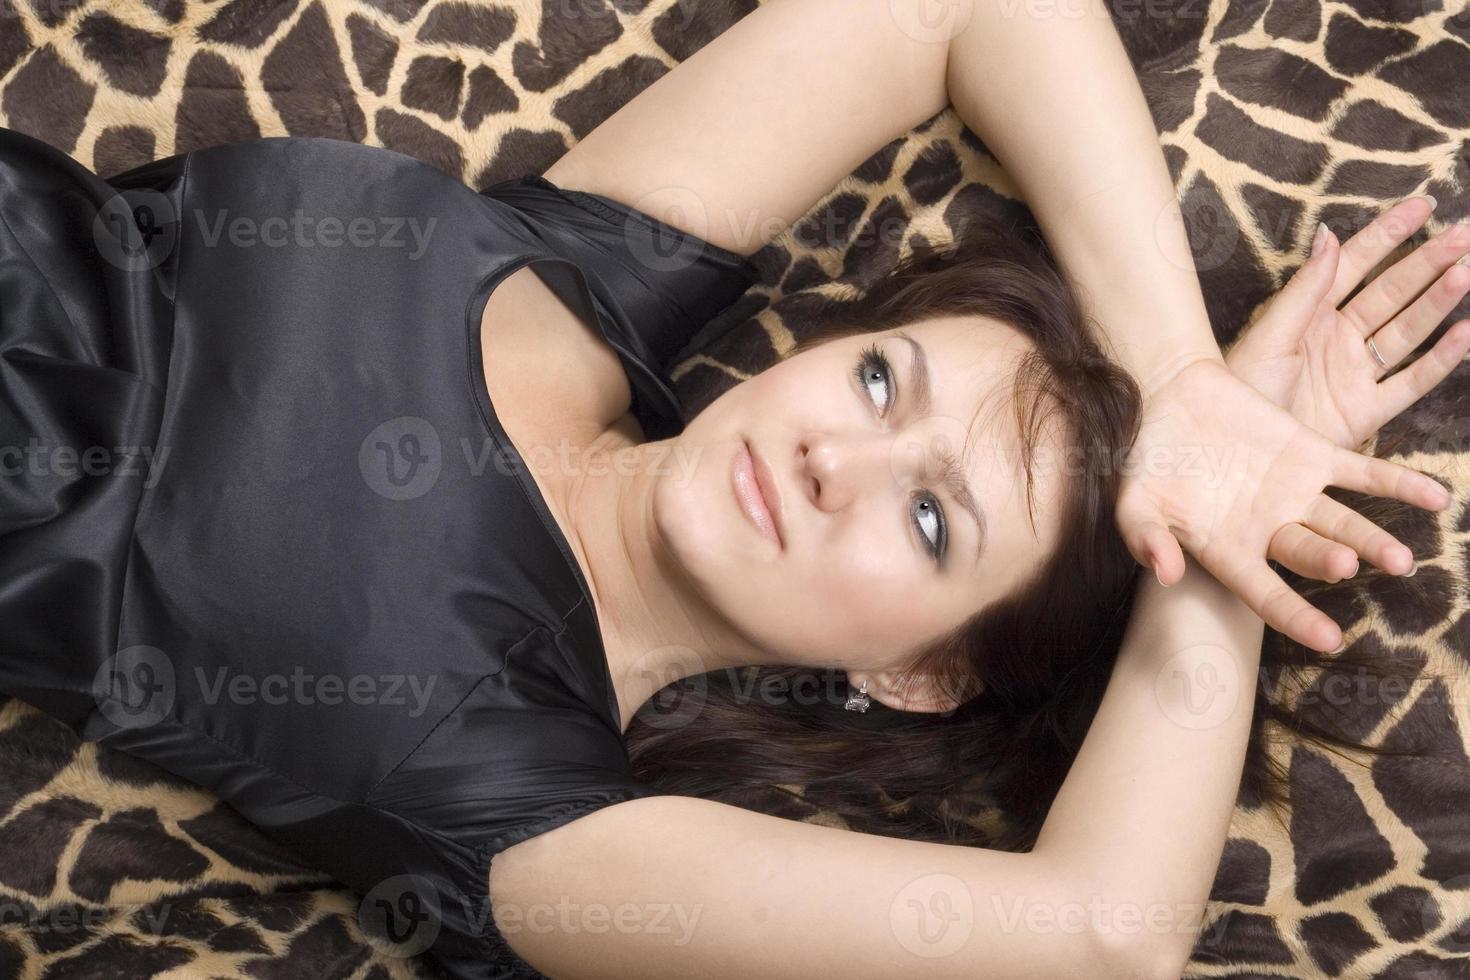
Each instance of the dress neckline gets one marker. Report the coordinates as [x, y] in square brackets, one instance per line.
[480, 389]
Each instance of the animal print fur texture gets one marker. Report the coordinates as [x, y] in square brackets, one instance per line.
[1273, 115]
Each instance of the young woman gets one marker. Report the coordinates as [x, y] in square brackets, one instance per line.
[416, 533]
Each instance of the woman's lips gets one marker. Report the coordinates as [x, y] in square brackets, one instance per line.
[749, 496]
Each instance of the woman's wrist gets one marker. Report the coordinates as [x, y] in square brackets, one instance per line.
[1155, 369]
[1198, 609]
[1151, 334]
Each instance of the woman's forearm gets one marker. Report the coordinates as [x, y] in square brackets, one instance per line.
[1049, 88]
[1145, 809]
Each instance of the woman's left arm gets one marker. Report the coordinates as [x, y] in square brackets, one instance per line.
[746, 135]
[1055, 96]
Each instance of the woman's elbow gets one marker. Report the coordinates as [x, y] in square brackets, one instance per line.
[1140, 956]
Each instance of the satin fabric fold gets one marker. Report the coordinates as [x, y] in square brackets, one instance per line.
[325, 587]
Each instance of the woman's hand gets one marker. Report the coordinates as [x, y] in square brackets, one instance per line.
[1235, 474]
[1316, 361]
[1313, 359]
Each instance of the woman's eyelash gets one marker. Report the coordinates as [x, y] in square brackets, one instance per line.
[872, 360]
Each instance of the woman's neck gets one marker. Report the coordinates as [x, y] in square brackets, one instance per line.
[656, 628]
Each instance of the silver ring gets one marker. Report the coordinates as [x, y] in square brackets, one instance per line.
[1373, 349]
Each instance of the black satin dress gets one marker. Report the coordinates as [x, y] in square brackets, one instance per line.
[260, 524]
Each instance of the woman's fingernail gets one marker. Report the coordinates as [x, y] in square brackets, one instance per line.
[1321, 237]
[1413, 567]
[1153, 561]
[1433, 202]
[1339, 648]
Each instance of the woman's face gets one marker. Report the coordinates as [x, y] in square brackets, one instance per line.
[877, 553]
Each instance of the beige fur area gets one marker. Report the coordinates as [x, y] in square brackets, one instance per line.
[1273, 116]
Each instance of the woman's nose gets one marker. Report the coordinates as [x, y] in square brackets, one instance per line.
[837, 468]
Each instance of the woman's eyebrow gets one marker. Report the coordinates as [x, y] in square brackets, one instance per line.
[955, 480]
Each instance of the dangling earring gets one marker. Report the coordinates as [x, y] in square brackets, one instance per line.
[859, 700]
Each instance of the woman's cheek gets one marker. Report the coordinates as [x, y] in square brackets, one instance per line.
[866, 583]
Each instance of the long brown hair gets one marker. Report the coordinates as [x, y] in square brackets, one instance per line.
[1028, 671]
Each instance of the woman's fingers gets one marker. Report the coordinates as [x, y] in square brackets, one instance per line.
[1408, 328]
[1372, 243]
[1402, 283]
[1380, 478]
[1148, 536]
[1295, 306]
[1335, 520]
[1310, 554]
[1415, 381]
[1278, 605]
[1166, 557]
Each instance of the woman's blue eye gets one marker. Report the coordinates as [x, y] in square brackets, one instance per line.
[872, 368]
[928, 513]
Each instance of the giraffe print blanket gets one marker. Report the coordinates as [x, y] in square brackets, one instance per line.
[1274, 114]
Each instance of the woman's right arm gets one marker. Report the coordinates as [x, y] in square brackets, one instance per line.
[1144, 811]
[1115, 886]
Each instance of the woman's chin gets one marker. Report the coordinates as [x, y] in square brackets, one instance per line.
[702, 525]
